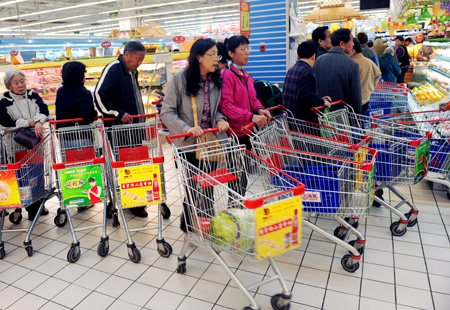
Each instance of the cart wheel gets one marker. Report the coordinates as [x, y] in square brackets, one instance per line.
[395, 231]
[248, 308]
[278, 299]
[74, 254]
[164, 249]
[29, 250]
[134, 254]
[14, 218]
[413, 222]
[165, 211]
[60, 219]
[351, 268]
[338, 234]
[181, 268]
[355, 244]
[355, 224]
[103, 248]
[2, 253]
[116, 222]
[448, 195]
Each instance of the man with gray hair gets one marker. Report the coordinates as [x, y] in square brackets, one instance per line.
[118, 95]
[390, 69]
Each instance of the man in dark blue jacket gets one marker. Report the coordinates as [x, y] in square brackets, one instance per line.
[118, 95]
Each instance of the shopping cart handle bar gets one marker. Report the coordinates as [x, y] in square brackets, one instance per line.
[54, 121]
[94, 161]
[317, 109]
[14, 166]
[246, 129]
[416, 143]
[121, 164]
[256, 203]
[133, 116]
[170, 138]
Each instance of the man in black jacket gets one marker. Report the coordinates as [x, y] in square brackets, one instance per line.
[118, 95]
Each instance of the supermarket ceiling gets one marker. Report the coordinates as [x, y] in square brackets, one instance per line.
[82, 18]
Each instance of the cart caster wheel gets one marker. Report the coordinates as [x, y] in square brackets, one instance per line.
[448, 195]
[134, 254]
[2, 253]
[60, 219]
[29, 250]
[351, 268]
[181, 268]
[164, 249]
[280, 303]
[74, 254]
[338, 233]
[355, 244]
[248, 308]
[413, 222]
[165, 211]
[116, 222]
[354, 224]
[395, 231]
[14, 218]
[103, 248]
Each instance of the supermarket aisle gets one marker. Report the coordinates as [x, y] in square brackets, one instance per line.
[409, 272]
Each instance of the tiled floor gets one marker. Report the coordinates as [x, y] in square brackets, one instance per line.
[398, 273]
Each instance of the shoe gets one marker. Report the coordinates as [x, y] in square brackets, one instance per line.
[32, 214]
[139, 212]
[80, 209]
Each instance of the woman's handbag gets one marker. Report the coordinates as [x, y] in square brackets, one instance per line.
[208, 146]
[26, 138]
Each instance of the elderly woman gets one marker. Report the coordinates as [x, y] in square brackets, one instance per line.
[22, 108]
[200, 82]
[390, 69]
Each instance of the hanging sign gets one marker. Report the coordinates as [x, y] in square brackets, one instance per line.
[14, 53]
[244, 8]
[106, 44]
[179, 39]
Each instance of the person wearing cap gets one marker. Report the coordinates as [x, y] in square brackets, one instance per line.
[379, 47]
[389, 66]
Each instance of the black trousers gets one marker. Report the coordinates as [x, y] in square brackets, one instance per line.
[401, 78]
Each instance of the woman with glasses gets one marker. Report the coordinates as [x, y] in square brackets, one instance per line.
[238, 101]
[201, 80]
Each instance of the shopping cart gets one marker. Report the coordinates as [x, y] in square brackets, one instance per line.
[403, 154]
[388, 98]
[136, 174]
[25, 178]
[233, 204]
[338, 177]
[79, 164]
[438, 123]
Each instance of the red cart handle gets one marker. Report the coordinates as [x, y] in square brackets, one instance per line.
[170, 138]
[133, 116]
[54, 121]
[246, 129]
[317, 109]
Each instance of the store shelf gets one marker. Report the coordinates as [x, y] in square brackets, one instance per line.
[447, 75]
[93, 62]
[443, 58]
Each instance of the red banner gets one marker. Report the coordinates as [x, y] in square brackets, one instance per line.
[244, 8]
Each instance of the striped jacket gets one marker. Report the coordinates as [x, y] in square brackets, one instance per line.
[115, 94]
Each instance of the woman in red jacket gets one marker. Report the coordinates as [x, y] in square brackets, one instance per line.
[238, 100]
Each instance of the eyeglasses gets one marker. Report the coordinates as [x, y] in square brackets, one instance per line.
[215, 56]
[246, 49]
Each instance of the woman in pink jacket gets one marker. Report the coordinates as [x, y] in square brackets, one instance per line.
[238, 101]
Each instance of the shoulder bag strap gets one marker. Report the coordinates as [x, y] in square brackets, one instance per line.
[194, 110]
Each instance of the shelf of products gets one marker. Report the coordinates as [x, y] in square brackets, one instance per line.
[45, 78]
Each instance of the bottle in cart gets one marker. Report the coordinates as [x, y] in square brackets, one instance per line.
[156, 196]
[294, 234]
